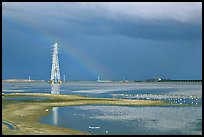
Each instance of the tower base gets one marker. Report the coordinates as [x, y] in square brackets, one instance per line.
[55, 82]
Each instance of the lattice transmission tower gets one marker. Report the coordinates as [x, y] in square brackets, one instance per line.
[55, 73]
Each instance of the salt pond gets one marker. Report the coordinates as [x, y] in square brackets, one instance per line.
[103, 119]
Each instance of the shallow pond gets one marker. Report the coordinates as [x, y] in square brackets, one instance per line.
[105, 119]
[181, 93]
[27, 98]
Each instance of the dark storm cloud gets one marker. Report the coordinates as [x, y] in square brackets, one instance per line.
[128, 39]
[137, 20]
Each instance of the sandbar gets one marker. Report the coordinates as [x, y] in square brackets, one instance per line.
[25, 114]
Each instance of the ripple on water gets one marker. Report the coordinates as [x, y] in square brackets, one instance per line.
[128, 120]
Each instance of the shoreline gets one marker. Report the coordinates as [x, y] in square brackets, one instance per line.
[26, 114]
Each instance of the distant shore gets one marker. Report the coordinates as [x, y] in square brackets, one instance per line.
[101, 81]
[21, 80]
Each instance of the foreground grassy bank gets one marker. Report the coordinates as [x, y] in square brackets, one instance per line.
[25, 114]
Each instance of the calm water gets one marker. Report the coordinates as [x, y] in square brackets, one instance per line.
[103, 119]
[182, 93]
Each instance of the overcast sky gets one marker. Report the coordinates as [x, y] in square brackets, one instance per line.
[115, 40]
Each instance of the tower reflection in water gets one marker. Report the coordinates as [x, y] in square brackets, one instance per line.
[55, 89]
[55, 115]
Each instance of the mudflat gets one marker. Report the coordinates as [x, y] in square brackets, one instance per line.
[24, 114]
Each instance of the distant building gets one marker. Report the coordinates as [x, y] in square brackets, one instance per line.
[157, 79]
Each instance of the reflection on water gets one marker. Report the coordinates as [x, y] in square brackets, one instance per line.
[55, 88]
[123, 120]
[55, 115]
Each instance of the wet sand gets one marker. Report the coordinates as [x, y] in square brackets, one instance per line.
[25, 114]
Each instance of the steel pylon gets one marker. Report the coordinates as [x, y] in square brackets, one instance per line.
[55, 72]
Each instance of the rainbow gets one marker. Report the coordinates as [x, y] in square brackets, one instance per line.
[86, 61]
[83, 59]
